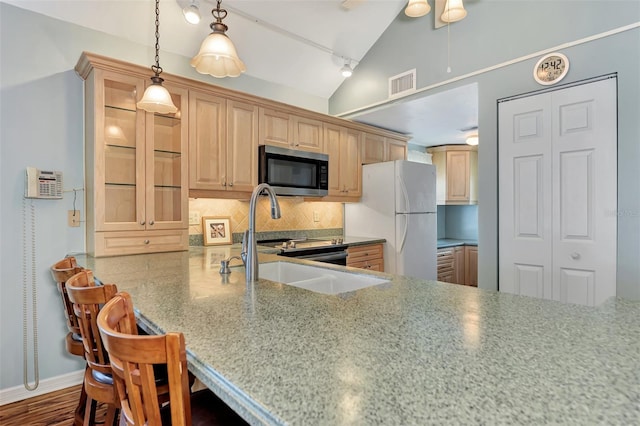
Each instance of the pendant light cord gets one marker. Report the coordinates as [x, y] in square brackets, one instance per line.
[157, 68]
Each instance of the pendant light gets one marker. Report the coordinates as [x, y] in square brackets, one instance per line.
[156, 98]
[417, 8]
[217, 55]
[453, 11]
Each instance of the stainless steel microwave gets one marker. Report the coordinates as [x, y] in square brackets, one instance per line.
[292, 172]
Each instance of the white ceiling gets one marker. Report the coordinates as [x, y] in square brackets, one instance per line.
[299, 44]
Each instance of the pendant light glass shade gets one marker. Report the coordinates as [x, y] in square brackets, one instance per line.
[417, 8]
[217, 55]
[156, 98]
[453, 11]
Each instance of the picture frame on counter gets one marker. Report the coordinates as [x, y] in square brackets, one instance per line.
[216, 230]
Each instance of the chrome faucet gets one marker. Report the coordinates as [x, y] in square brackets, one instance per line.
[251, 249]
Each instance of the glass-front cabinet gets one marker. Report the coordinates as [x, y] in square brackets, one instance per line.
[136, 166]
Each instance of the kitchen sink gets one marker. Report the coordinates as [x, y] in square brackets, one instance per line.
[314, 278]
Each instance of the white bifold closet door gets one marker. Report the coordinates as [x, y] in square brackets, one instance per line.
[558, 194]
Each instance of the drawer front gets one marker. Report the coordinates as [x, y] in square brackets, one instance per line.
[360, 253]
[123, 243]
[372, 265]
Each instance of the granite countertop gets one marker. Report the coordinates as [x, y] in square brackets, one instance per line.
[451, 242]
[409, 352]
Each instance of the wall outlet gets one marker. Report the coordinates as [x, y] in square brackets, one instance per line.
[194, 218]
[316, 216]
[73, 218]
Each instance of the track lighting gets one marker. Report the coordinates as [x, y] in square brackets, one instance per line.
[346, 70]
[191, 12]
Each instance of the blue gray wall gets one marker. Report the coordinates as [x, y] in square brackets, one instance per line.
[500, 31]
[41, 125]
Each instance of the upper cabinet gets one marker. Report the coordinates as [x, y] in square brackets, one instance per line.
[343, 145]
[457, 174]
[136, 166]
[287, 130]
[223, 136]
[377, 148]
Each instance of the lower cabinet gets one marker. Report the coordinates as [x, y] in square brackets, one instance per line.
[366, 257]
[446, 264]
[471, 265]
[458, 265]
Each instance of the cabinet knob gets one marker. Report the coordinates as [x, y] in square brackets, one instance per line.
[230, 183]
[146, 241]
[142, 222]
[575, 255]
[151, 222]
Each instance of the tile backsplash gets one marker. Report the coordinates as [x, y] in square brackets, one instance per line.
[297, 214]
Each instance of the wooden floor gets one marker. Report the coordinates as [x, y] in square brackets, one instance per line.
[51, 409]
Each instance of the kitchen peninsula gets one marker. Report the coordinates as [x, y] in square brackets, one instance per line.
[408, 352]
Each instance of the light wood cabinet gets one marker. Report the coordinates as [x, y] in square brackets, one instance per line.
[223, 136]
[446, 264]
[286, 130]
[457, 174]
[396, 150]
[377, 148]
[471, 266]
[345, 169]
[459, 265]
[369, 256]
[136, 166]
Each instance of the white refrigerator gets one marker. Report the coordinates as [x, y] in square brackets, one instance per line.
[398, 204]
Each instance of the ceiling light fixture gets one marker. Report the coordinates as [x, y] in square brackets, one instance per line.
[191, 12]
[417, 8]
[472, 140]
[156, 98]
[346, 70]
[217, 55]
[453, 11]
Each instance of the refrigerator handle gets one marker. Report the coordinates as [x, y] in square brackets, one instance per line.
[404, 231]
[405, 195]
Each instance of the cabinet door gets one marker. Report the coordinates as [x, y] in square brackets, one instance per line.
[459, 265]
[307, 134]
[350, 164]
[116, 158]
[458, 188]
[332, 136]
[242, 146]
[471, 266]
[373, 149]
[275, 128]
[166, 165]
[207, 147]
[396, 150]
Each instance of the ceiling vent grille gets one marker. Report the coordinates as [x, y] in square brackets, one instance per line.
[402, 84]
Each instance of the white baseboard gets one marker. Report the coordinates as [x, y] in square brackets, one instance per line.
[18, 393]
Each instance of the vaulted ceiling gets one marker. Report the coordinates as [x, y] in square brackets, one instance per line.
[301, 44]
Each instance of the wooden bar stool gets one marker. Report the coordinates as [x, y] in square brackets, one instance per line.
[61, 272]
[87, 300]
[132, 359]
